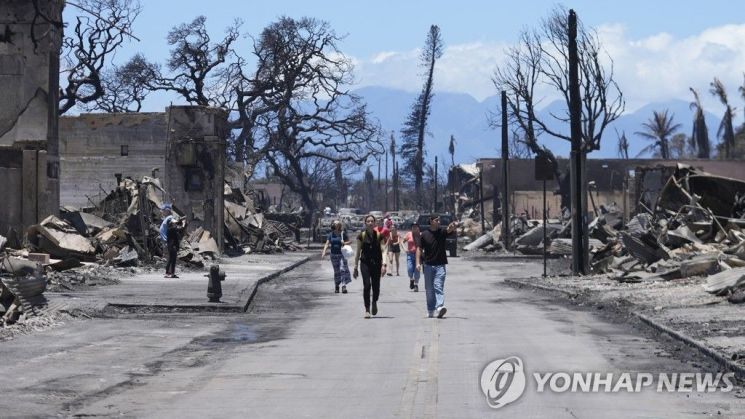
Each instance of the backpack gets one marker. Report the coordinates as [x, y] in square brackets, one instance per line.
[362, 235]
[366, 256]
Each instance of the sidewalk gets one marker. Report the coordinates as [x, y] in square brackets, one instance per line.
[188, 292]
[679, 308]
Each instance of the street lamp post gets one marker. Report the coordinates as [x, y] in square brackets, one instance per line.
[435, 194]
[386, 180]
[481, 198]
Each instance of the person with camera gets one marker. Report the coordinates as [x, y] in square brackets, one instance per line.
[431, 258]
[171, 230]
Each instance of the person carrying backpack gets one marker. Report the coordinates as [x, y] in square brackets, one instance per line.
[371, 257]
[171, 230]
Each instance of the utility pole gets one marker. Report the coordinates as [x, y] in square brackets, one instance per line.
[386, 180]
[397, 196]
[451, 179]
[505, 175]
[435, 194]
[378, 174]
[580, 240]
[481, 198]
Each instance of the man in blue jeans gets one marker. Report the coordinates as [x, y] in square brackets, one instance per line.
[432, 252]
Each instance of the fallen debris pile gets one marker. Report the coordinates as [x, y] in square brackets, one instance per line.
[695, 228]
[248, 230]
[21, 286]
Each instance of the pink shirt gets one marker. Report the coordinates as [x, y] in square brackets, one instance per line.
[410, 242]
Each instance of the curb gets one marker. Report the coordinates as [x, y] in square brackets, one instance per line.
[704, 350]
[502, 258]
[214, 308]
[269, 278]
[521, 284]
[162, 308]
[719, 358]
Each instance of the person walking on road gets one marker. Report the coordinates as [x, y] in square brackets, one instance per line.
[431, 252]
[383, 230]
[371, 259]
[394, 249]
[335, 240]
[411, 241]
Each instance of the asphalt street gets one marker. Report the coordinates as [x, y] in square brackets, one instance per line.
[303, 351]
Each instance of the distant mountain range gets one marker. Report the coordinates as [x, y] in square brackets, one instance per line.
[465, 118]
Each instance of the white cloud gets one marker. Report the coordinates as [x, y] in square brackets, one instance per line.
[662, 67]
[382, 56]
[463, 68]
[656, 68]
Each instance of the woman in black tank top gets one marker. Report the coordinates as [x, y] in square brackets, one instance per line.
[394, 249]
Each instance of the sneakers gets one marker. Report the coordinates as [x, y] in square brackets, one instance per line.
[431, 314]
[336, 289]
[375, 308]
[416, 288]
[390, 274]
[367, 315]
[411, 284]
[441, 312]
[343, 289]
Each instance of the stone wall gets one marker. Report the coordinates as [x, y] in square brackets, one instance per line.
[96, 147]
[183, 146]
[29, 82]
[195, 165]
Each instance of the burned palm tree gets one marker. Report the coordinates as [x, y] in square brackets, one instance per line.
[623, 146]
[700, 135]
[726, 131]
[659, 129]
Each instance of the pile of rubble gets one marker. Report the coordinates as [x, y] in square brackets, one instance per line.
[248, 230]
[123, 230]
[696, 228]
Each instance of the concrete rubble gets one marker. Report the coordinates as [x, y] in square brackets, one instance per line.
[122, 231]
[696, 228]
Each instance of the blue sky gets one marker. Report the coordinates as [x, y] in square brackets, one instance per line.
[660, 48]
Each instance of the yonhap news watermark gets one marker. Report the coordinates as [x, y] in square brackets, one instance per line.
[503, 381]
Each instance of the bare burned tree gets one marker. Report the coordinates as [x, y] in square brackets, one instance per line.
[518, 146]
[198, 66]
[542, 57]
[125, 87]
[296, 108]
[98, 32]
[519, 77]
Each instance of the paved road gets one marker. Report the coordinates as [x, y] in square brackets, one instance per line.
[304, 351]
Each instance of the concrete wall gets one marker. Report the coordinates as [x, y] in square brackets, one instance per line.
[608, 175]
[609, 178]
[195, 165]
[185, 144]
[91, 152]
[11, 185]
[29, 82]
